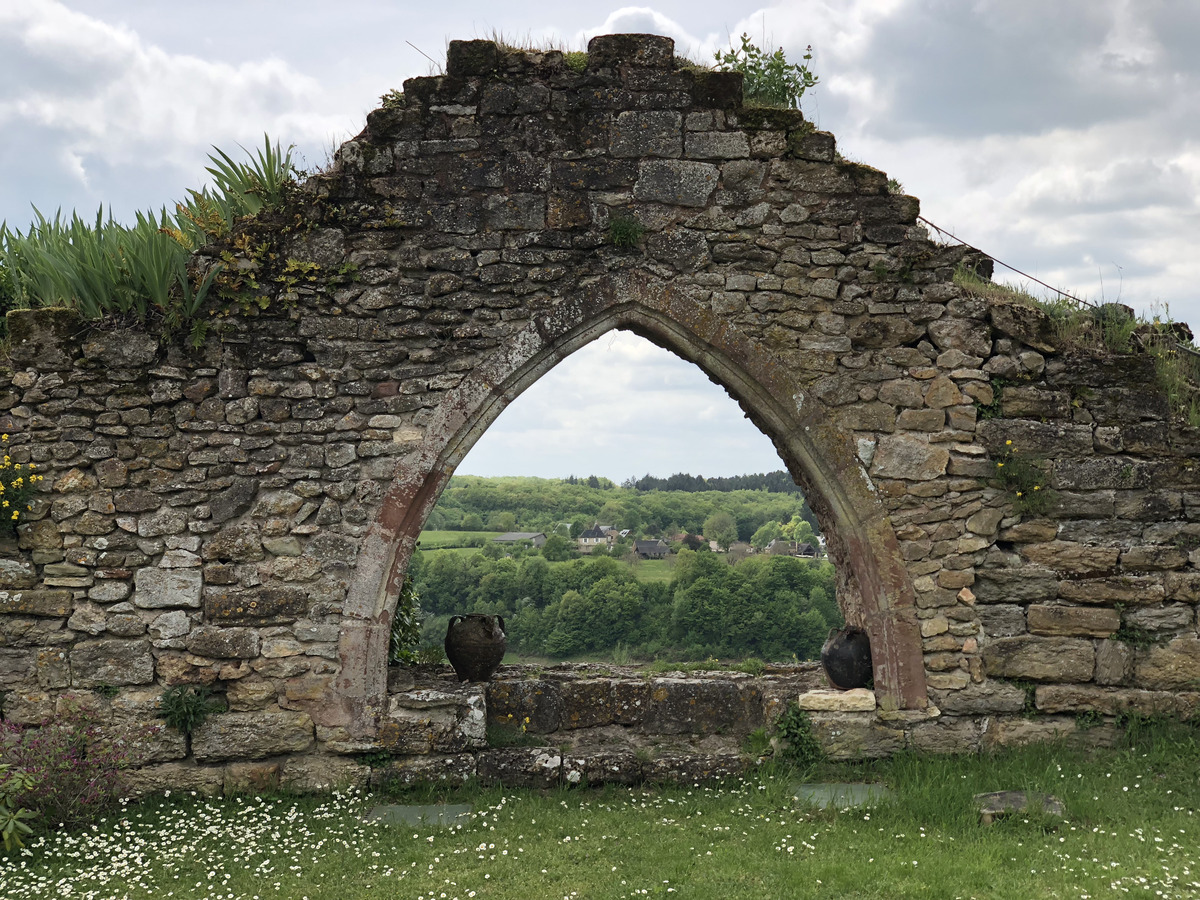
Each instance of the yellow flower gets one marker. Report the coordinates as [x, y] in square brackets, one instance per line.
[999, 465]
[1008, 443]
[3, 437]
[4, 503]
[1019, 494]
[15, 514]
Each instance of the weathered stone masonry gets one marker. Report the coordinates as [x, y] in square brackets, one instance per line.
[241, 515]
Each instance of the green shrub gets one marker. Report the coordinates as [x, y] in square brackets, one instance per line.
[769, 79]
[624, 232]
[405, 639]
[13, 784]
[798, 742]
[185, 707]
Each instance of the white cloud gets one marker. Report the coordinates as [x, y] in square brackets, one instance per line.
[108, 100]
[621, 407]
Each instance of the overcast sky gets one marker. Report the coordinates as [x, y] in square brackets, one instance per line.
[1061, 136]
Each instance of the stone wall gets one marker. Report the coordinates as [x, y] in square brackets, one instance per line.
[240, 514]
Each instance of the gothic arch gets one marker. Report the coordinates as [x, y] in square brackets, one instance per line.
[874, 588]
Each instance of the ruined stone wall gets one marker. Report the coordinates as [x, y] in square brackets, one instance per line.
[240, 514]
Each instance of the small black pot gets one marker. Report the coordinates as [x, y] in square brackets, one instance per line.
[475, 644]
[846, 659]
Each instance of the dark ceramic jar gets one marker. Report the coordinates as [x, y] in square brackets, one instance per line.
[846, 659]
[475, 645]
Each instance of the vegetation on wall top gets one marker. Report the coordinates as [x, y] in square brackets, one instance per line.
[141, 272]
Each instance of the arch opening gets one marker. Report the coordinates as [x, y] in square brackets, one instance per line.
[873, 587]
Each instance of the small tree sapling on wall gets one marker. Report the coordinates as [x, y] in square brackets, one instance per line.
[769, 79]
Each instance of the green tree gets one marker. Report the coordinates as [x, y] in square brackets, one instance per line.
[557, 548]
[722, 528]
[769, 532]
[472, 522]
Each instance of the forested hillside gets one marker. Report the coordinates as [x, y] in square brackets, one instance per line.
[771, 607]
[472, 503]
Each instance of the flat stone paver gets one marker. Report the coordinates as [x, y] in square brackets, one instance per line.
[436, 814]
[841, 796]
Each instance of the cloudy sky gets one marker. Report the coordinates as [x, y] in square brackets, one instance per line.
[1061, 136]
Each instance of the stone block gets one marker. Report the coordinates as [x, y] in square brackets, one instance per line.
[1002, 620]
[946, 735]
[1073, 621]
[426, 720]
[989, 698]
[223, 642]
[111, 661]
[235, 543]
[526, 767]
[586, 704]
[717, 145]
[36, 603]
[165, 588]
[908, 457]
[17, 573]
[252, 735]
[1111, 701]
[259, 606]
[251, 778]
[176, 777]
[1124, 589]
[1040, 659]
[1169, 617]
[1072, 557]
[675, 182]
[701, 706]
[602, 767]
[608, 51]
[1114, 662]
[538, 701]
[648, 133]
[322, 774]
[855, 735]
[1182, 586]
[413, 770]
[1173, 666]
[857, 700]
[672, 768]
[1020, 732]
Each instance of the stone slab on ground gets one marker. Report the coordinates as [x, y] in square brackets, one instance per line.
[995, 804]
[434, 814]
[841, 796]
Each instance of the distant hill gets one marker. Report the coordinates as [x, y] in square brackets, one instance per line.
[648, 506]
[778, 482]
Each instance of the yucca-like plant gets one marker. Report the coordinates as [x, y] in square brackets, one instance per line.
[107, 268]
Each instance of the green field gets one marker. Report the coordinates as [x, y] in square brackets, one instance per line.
[654, 570]
[442, 540]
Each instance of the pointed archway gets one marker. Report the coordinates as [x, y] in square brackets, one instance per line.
[874, 589]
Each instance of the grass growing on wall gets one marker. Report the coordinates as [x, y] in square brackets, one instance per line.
[138, 272]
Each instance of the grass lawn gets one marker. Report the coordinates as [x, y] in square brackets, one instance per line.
[1131, 827]
[651, 570]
